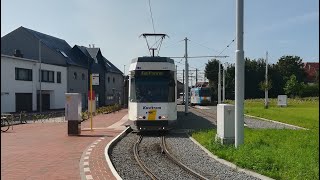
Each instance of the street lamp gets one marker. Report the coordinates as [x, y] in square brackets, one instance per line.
[40, 77]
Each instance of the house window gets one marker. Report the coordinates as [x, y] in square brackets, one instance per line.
[23, 74]
[75, 75]
[108, 79]
[47, 76]
[58, 77]
[83, 76]
[113, 80]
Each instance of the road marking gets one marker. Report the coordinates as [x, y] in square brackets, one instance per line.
[86, 169]
[89, 177]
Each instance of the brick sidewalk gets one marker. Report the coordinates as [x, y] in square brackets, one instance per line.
[45, 151]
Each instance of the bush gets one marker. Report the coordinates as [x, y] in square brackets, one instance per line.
[311, 90]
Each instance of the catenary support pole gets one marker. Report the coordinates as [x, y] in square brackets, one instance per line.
[91, 102]
[223, 84]
[196, 77]
[186, 78]
[266, 104]
[239, 76]
[184, 90]
[219, 84]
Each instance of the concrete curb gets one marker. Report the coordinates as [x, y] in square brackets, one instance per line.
[108, 149]
[227, 163]
[298, 127]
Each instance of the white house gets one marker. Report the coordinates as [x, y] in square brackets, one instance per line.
[20, 85]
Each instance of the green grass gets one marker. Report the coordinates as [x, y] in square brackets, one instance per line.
[279, 154]
[302, 113]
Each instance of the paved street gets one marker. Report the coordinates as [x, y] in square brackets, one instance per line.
[45, 151]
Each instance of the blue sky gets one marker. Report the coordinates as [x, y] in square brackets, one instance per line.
[287, 27]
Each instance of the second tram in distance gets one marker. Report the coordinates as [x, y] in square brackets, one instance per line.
[200, 96]
[152, 93]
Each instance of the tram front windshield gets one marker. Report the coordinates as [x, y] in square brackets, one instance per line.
[152, 86]
[204, 92]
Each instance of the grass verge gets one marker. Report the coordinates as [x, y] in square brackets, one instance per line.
[276, 153]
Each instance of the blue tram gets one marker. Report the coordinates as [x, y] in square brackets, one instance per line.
[200, 96]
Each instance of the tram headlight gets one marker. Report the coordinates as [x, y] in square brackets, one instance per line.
[163, 117]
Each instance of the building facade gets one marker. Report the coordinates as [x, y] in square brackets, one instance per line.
[49, 50]
[20, 85]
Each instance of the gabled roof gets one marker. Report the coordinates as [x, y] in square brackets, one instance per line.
[58, 45]
[110, 67]
[93, 53]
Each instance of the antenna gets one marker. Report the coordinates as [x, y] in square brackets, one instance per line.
[158, 42]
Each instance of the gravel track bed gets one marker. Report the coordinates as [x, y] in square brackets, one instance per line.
[158, 163]
[123, 159]
[194, 157]
[181, 147]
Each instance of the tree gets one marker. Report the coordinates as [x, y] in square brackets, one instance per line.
[293, 87]
[278, 82]
[265, 86]
[211, 73]
[291, 65]
[211, 70]
[254, 74]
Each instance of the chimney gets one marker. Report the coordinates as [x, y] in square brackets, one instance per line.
[89, 45]
[17, 53]
[93, 45]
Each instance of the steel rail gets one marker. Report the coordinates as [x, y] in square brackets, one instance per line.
[176, 161]
[139, 161]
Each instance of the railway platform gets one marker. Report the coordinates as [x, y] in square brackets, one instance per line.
[45, 151]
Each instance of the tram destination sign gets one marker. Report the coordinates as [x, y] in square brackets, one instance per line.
[152, 73]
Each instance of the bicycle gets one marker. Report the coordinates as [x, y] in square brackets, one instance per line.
[5, 125]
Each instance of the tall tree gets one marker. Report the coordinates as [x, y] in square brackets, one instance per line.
[291, 65]
[278, 82]
[254, 74]
[211, 73]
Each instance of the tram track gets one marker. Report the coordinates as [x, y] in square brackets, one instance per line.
[169, 156]
[139, 160]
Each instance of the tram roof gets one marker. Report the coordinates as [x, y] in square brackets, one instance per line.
[152, 59]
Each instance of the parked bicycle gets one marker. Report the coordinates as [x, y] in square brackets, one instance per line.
[5, 125]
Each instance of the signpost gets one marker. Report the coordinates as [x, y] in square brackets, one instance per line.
[95, 79]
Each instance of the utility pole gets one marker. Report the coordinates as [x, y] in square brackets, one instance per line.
[184, 90]
[186, 78]
[266, 84]
[124, 70]
[40, 92]
[239, 76]
[219, 84]
[223, 85]
[196, 77]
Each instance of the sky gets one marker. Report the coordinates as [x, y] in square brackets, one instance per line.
[287, 27]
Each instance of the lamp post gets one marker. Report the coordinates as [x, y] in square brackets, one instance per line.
[40, 77]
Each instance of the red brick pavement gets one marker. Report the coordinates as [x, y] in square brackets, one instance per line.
[45, 151]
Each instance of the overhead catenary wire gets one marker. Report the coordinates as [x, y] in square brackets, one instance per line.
[154, 30]
[222, 50]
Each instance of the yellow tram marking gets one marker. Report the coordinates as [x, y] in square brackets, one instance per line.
[152, 114]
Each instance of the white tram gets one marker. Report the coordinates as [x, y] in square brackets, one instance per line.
[152, 93]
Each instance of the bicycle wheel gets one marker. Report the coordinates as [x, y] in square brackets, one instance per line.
[4, 125]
